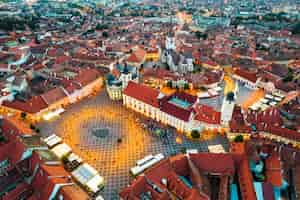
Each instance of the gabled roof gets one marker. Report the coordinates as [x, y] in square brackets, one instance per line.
[142, 93]
[137, 56]
[246, 181]
[273, 170]
[211, 162]
[160, 74]
[33, 105]
[86, 76]
[207, 114]
[251, 76]
[54, 95]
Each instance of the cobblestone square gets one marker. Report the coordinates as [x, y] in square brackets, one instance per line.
[127, 141]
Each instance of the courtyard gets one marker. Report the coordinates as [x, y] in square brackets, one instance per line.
[112, 138]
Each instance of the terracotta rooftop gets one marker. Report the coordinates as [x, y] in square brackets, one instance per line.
[211, 163]
[248, 75]
[33, 105]
[246, 181]
[54, 95]
[170, 169]
[137, 56]
[142, 93]
[273, 170]
[160, 74]
[86, 76]
[207, 114]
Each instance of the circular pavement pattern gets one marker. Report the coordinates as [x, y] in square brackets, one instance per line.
[126, 141]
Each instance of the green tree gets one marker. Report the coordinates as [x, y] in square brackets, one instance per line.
[105, 34]
[101, 26]
[186, 86]
[183, 149]
[169, 84]
[2, 138]
[23, 115]
[31, 126]
[289, 77]
[239, 138]
[195, 134]
[201, 35]
[230, 96]
[64, 159]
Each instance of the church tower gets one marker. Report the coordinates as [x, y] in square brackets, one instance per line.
[170, 39]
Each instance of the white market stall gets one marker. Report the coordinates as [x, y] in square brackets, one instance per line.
[89, 177]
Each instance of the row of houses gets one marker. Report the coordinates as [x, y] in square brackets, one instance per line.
[264, 79]
[267, 124]
[85, 83]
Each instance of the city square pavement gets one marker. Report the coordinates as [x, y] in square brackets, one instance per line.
[127, 141]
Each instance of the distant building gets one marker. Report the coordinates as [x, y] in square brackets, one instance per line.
[137, 57]
[248, 78]
[153, 54]
[170, 42]
[16, 84]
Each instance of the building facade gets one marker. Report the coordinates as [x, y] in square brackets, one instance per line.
[175, 110]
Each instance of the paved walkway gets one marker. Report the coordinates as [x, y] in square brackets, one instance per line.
[254, 97]
[229, 84]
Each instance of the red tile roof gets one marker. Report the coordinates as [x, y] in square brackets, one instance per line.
[54, 95]
[86, 76]
[251, 76]
[269, 116]
[279, 131]
[273, 170]
[164, 169]
[137, 56]
[214, 163]
[17, 192]
[134, 59]
[72, 192]
[246, 181]
[72, 87]
[205, 78]
[268, 191]
[211, 63]
[52, 175]
[171, 169]
[160, 74]
[33, 105]
[142, 93]
[207, 114]
[62, 59]
[44, 180]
